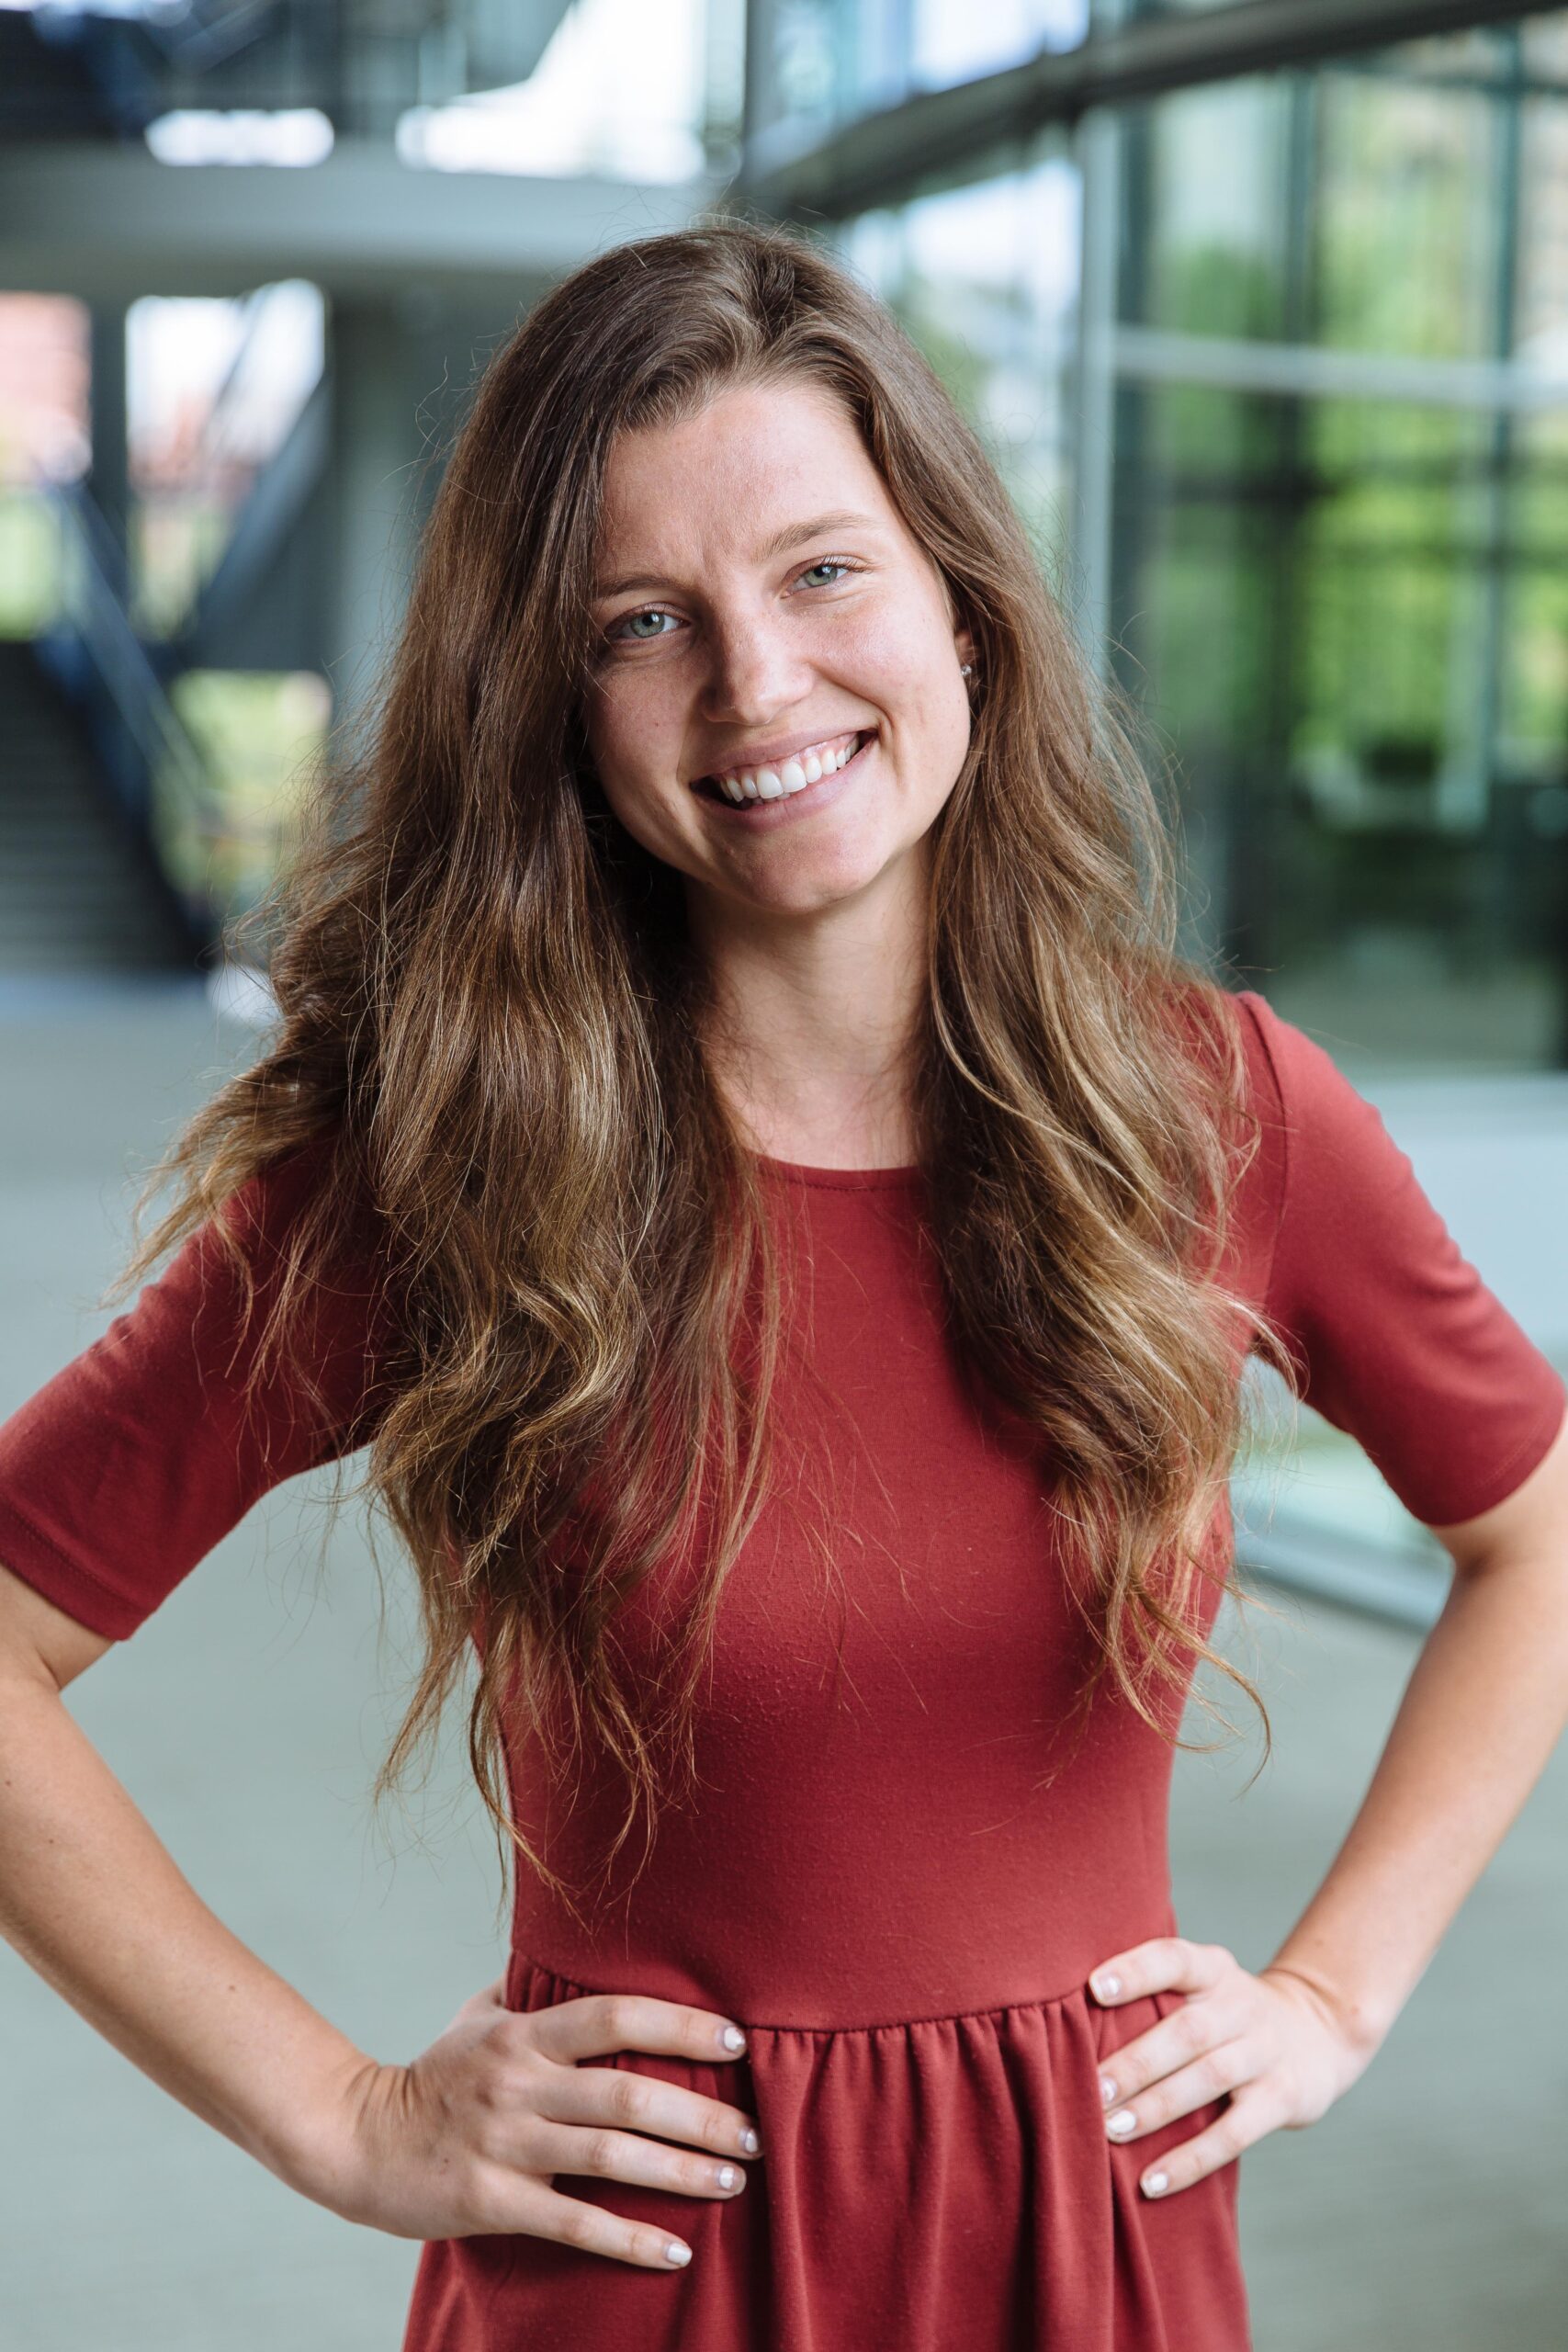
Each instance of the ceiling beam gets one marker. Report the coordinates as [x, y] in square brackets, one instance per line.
[106, 222]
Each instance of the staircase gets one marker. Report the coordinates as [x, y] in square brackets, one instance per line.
[78, 891]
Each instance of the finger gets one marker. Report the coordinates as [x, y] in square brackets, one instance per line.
[1199, 2025]
[596, 2024]
[594, 2229]
[1250, 2115]
[1209, 2077]
[604, 2154]
[1164, 1965]
[620, 2096]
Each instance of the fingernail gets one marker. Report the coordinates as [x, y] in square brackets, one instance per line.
[1120, 2123]
[1107, 1988]
[732, 2037]
[1107, 2090]
[1156, 2184]
[677, 2253]
[730, 2177]
[751, 2142]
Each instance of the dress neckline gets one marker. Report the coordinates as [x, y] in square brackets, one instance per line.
[842, 1179]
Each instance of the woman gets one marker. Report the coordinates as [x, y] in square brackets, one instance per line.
[743, 1152]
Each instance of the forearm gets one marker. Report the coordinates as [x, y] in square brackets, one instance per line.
[95, 1903]
[1482, 1709]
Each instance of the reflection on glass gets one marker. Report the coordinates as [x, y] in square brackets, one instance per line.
[1311, 590]
[985, 280]
[1533, 687]
[1211, 183]
[827, 62]
[1344, 605]
[1404, 253]
[1540, 287]
[951, 40]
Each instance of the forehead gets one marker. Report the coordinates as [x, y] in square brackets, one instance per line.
[721, 483]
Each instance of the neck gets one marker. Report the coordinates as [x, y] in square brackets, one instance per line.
[814, 1024]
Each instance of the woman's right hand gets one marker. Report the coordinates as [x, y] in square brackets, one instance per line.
[465, 2141]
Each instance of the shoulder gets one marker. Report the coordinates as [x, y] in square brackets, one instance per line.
[316, 1188]
[315, 1253]
[1237, 1033]
[1237, 1038]
[1244, 1050]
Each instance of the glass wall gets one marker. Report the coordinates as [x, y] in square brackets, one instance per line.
[984, 276]
[1339, 424]
[819, 64]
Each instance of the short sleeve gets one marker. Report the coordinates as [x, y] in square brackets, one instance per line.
[124, 1470]
[1396, 1339]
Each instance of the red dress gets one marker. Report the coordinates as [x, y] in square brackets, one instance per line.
[882, 1881]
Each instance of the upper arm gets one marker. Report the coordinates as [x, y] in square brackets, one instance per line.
[37, 1638]
[1394, 1337]
[124, 1470]
[1531, 1523]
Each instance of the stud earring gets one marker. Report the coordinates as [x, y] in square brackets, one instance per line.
[965, 668]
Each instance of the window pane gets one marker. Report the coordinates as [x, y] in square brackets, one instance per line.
[1406, 239]
[1209, 192]
[985, 280]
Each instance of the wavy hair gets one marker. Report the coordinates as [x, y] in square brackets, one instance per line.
[488, 1034]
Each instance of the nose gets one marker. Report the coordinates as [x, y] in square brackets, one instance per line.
[755, 672]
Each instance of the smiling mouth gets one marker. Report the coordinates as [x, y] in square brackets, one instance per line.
[757, 787]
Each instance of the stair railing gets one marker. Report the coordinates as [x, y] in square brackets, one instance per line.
[159, 778]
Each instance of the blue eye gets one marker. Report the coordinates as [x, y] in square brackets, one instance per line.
[629, 629]
[629, 624]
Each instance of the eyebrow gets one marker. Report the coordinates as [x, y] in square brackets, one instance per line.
[793, 535]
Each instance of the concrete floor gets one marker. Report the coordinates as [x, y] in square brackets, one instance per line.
[1426, 2210]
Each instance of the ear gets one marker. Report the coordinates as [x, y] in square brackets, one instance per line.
[964, 644]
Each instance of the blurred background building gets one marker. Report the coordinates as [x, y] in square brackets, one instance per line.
[1262, 309]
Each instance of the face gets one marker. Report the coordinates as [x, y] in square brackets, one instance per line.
[763, 612]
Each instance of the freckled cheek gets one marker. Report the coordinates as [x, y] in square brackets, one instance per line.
[635, 746]
[896, 665]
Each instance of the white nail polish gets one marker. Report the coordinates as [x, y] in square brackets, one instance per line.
[1156, 2184]
[1120, 2123]
[677, 2253]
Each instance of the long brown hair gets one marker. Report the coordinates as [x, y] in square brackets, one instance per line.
[488, 1034]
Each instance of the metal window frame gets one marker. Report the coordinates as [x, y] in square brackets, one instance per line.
[791, 174]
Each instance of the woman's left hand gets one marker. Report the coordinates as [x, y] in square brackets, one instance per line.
[1275, 2043]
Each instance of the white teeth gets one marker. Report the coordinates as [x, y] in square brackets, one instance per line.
[790, 776]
